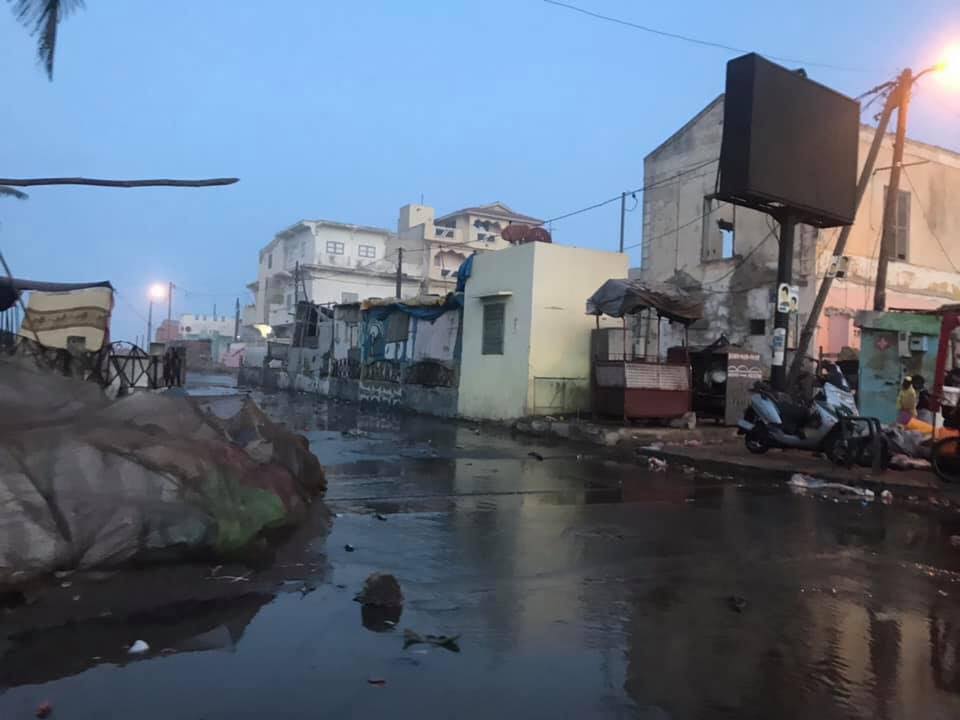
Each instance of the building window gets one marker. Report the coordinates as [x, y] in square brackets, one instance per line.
[493, 327]
[269, 261]
[334, 247]
[901, 225]
[349, 297]
[758, 327]
[719, 234]
[367, 251]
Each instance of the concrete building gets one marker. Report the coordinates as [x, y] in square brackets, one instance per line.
[434, 248]
[730, 253]
[194, 327]
[340, 263]
[526, 334]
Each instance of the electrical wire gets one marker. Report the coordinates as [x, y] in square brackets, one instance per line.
[697, 41]
[926, 218]
[678, 228]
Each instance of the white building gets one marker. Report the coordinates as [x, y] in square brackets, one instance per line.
[339, 263]
[201, 326]
[526, 334]
[434, 248]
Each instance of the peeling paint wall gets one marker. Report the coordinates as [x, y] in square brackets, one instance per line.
[680, 242]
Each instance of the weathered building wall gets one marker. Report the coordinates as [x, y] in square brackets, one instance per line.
[684, 243]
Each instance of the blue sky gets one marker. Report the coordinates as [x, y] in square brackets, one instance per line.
[347, 111]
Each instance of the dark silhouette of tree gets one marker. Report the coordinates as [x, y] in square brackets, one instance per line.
[43, 17]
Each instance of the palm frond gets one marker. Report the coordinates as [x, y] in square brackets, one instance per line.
[12, 192]
[43, 18]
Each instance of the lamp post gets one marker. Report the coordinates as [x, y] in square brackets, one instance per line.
[901, 92]
[156, 293]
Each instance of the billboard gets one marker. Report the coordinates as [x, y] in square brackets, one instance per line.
[789, 144]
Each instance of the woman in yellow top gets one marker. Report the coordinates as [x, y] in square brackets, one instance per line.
[906, 402]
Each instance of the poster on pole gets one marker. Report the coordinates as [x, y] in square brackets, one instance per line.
[794, 298]
[783, 298]
[779, 345]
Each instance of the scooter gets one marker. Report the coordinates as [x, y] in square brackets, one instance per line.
[774, 420]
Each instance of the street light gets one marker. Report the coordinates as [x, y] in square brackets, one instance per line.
[157, 292]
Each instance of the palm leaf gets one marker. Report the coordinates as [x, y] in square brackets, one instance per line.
[43, 17]
[12, 192]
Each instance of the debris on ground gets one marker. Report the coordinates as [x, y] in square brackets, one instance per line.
[905, 462]
[307, 588]
[887, 497]
[688, 469]
[381, 590]
[44, 710]
[655, 446]
[381, 517]
[737, 603]
[692, 442]
[801, 483]
[447, 642]
[955, 541]
[138, 648]
[943, 593]
[656, 464]
[349, 548]
[535, 455]
[688, 420]
[379, 682]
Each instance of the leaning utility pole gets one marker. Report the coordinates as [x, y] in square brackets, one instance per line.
[865, 174]
[399, 274]
[888, 236]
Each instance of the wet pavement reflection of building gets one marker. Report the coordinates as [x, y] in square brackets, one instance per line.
[580, 587]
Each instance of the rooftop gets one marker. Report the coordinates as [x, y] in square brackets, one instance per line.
[497, 210]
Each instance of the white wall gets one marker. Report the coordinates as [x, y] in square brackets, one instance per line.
[207, 324]
[495, 386]
[547, 330]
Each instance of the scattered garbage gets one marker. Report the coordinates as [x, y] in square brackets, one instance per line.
[307, 588]
[688, 469]
[653, 446]
[381, 517]
[943, 593]
[737, 603]
[378, 682]
[447, 642]
[905, 462]
[887, 497]
[535, 455]
[801, 483]
[692, 442]
[349, 548]
[138, 648]
[656, 464]
[381, 590]
[44, 710]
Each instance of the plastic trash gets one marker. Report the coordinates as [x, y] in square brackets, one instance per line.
[447, 642]
[887, 497]
[801, 482]
[535, 455]
[656, 464]
[44, 710]
[138, 648]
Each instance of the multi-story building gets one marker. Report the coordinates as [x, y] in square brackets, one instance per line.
[435, 248]
[337, 262]
[729, 254]
[193, 327]
[340, 263]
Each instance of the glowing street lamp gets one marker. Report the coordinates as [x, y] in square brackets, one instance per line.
[157, 292]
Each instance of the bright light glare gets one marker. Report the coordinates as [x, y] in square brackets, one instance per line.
[949, 67]
[158, 292]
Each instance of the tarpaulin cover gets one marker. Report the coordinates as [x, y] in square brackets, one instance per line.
[423, 311]
[10, 288]
[87, 483]
[626, 297]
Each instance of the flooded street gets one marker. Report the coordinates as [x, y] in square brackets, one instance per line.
[579, 587]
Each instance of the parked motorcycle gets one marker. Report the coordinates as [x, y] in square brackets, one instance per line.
[775, 420]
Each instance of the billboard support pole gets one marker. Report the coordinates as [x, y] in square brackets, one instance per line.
[781, 320]
[866, 173]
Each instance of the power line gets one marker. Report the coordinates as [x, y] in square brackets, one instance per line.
[926, 218]
[696, 41]
[678, 228]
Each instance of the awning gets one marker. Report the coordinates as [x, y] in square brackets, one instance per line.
[626, 297]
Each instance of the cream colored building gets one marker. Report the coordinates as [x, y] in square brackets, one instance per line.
[434, 248]
[526, 334]
[730, 253]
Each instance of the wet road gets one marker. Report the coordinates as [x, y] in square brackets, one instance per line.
[579, 588]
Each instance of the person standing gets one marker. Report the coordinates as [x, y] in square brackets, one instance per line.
[906, 402]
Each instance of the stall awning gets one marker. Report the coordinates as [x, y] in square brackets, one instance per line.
[626, 297]
[10, 288]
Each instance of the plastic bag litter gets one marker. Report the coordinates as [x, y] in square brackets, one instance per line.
[656, 464]
[801, 483]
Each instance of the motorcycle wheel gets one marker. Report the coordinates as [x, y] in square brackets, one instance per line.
[839, 450]
[756, 440]
[945, 459]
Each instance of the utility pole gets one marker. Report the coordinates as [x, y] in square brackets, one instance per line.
[169, 305]
[865, 174]
[781, 320]
[623, 216]
[149, 325]
[236, 321]
[888, 236]
[399, 274]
